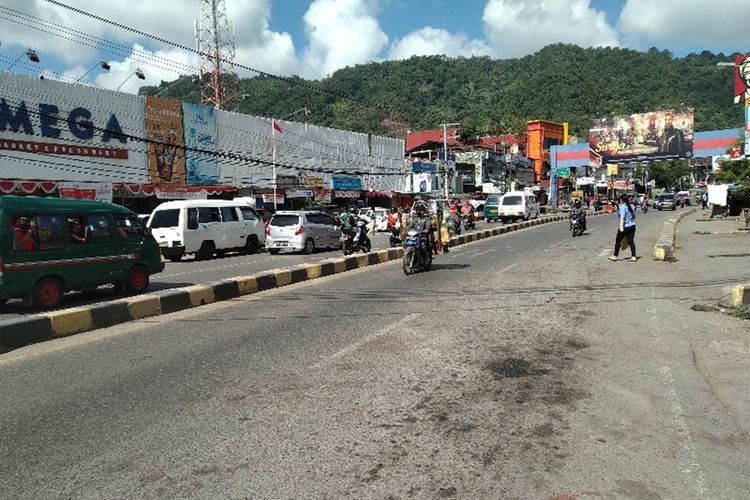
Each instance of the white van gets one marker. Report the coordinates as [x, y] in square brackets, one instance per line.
[205, 228]
[516, 205]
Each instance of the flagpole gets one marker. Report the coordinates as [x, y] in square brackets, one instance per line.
[273, 138]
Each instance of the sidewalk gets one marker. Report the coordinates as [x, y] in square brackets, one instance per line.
[718, 252]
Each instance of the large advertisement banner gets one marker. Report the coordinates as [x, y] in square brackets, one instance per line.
[200, 140]
[166, 146]
[643, 136]
[742, 78]
[56, 131]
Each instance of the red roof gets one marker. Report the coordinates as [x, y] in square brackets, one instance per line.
[433, 139]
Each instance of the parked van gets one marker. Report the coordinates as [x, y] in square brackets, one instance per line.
[206, 228]
[51, 245]
[516, 205]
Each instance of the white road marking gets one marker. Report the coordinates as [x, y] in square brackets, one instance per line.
[357, 345]
[692, 467]
[559, 243]
[592, 229]
[506, 268]
[604, 252]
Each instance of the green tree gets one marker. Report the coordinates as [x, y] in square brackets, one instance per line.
[670, 174]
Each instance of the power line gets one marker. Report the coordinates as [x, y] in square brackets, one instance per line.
[194, 51]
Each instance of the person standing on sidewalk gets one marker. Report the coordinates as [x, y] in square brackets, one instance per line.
[625, 228]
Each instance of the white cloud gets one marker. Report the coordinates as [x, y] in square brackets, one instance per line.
[430, 41]
[519, 27]
[256, 45]
[341, 33]
[686, 22]
[122, 72]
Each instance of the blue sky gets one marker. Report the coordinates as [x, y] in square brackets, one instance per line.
[315, 38]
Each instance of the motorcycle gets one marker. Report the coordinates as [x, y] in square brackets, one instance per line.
[469, 223]
[644, 207]
[417, 252]
[356, 240]
[576, 225]
[455, 225]
[395, 238]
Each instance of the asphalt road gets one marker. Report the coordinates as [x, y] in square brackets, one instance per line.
[523, 366]
[191, 272]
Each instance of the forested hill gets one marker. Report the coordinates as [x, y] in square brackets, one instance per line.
[559, 83]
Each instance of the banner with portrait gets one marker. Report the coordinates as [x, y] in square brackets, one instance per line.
[166, 141]
[741, 78]
[657, 135]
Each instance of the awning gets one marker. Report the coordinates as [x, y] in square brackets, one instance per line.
[27, 187]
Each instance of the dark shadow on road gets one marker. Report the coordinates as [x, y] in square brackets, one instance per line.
[449, 267]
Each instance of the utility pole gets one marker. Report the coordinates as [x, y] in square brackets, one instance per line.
[214, 36]
[445, 154]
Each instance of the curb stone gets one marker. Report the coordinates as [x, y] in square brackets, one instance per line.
[40, 327]
[664, 248]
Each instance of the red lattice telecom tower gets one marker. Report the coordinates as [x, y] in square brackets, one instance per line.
[214, 36]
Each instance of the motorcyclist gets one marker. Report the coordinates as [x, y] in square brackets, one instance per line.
[420, 222]
[578, 211]
[360, 229]
[346, 222]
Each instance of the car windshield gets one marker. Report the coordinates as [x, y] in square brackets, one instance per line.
[512, 200]
[493, 200]
[667, 197]
[282, 220]
[165, 218]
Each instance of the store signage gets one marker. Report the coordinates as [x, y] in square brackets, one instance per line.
[346, 183]
[313, 182]
[78, 121]
[268, 198]
[346, 194]
[100, 191]
[180, 193]
[299, 193]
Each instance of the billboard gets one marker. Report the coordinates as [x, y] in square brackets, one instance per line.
[166, 146]
[742, 78]
[643, 136]
[200, 140]
[57, 131]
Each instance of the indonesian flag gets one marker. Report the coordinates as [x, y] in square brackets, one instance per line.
[277, 127]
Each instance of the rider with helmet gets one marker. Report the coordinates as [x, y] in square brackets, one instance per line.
[578, 211]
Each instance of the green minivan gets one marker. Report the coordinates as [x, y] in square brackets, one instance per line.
[50, 245]
[492, 208]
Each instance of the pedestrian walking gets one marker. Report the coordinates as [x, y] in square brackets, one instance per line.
[625, 228]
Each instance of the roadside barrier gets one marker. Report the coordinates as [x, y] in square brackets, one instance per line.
[40, 327]
[664, 248]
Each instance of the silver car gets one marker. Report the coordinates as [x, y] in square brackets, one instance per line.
[302, 230]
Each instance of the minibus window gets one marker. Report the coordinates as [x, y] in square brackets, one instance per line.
[248, 213]
[130, 226]
[229, 214]
[51, 232]
[165, 218]
[192, 218]
[25, 233]
[209, 214]
[100, 229]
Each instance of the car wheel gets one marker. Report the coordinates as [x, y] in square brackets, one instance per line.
[206, 251]
[137, 280]
[47, 293]
[274, 251]
[309, 246]
[251, 245]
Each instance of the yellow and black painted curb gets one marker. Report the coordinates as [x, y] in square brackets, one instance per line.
[19, 332]
[664, 248]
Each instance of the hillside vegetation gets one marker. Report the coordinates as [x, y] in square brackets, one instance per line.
[560, 83]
